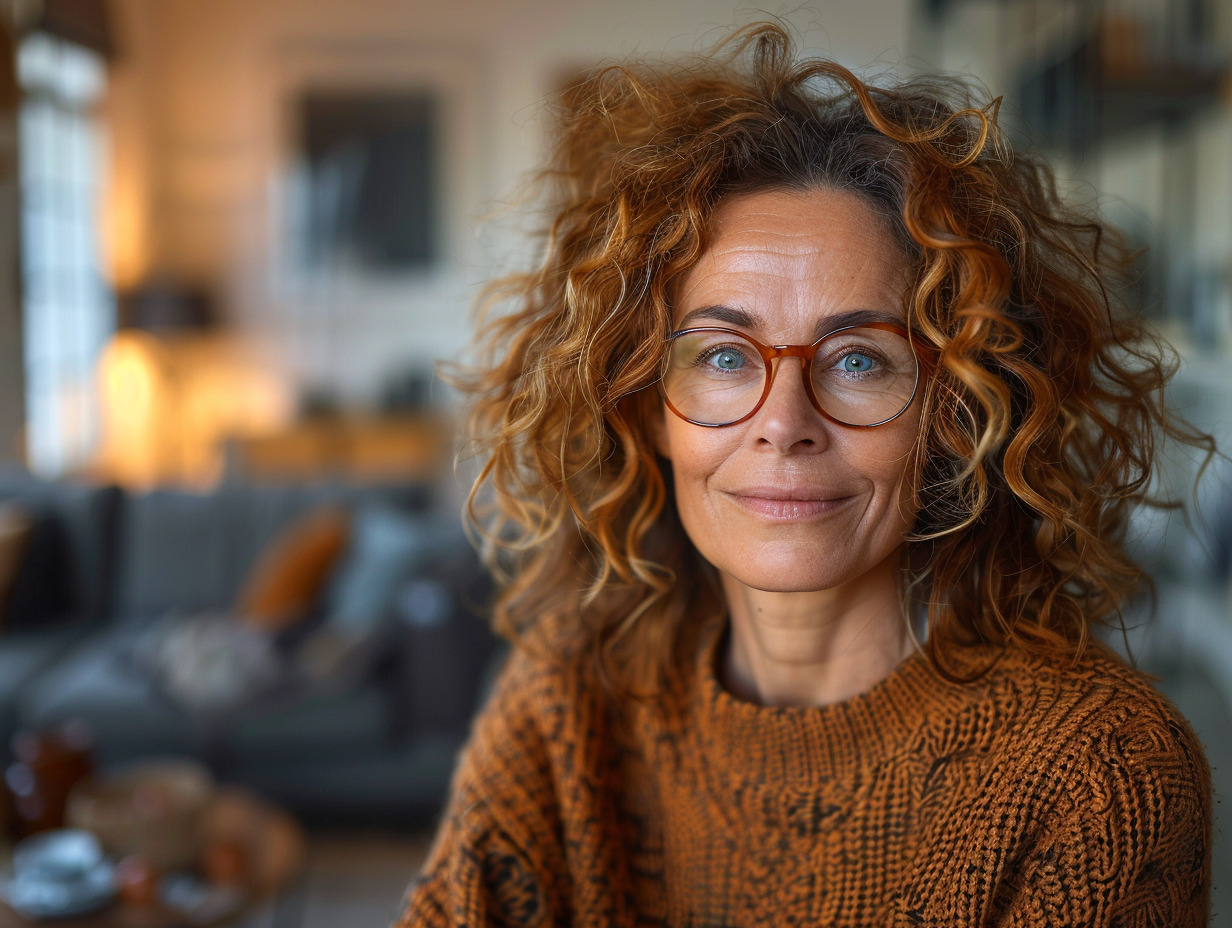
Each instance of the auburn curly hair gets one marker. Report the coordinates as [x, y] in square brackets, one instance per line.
[1040, 417]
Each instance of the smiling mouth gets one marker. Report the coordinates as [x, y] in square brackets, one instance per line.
[787, 506]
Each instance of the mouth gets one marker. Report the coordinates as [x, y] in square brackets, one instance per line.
[781, 504]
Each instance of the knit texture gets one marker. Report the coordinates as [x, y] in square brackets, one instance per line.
[1045, 793]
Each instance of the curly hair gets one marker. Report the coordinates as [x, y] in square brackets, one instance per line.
[1040, 417]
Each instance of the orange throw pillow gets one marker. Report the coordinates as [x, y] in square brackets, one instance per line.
[291, 572]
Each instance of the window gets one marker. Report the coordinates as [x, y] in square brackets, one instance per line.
[69, 311]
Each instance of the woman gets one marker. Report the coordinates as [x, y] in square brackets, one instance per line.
[809, 450]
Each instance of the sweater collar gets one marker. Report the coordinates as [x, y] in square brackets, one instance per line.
[805, 744]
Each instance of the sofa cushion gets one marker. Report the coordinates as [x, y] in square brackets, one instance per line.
[191, 552]
[70, 560]
[291, 572]
[386, 543]
[42, 588]
[208, 662]
[354, 630]
[95, 683]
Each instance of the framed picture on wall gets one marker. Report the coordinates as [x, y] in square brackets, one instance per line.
[370, 181]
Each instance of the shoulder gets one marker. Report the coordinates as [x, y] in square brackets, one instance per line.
[544, 713]
[538, 687]
[1108, 781]
[1091, 742]
[1057, 739]
[1046, 729]
[1068, 721]
[1095, 700]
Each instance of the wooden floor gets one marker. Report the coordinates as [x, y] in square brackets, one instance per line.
[350, 881]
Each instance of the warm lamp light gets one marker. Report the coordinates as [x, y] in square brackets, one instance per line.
[129, 377]
[134, 379]
[170, 403]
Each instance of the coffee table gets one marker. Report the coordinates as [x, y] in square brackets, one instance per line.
[275, 847]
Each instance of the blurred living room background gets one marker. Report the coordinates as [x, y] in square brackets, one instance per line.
[237, 237]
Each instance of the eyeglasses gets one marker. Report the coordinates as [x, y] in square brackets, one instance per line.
[861, 376]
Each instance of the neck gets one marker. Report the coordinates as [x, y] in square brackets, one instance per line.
[815, 648]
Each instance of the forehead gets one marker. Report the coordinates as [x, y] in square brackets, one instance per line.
[792, 257]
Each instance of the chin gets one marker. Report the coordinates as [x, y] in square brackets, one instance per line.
[804, 576]
[785, 586]
[809, 572]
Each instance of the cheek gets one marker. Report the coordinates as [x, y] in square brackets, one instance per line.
[694, 450]
[695, 455]
[893, 467]
[881, 461]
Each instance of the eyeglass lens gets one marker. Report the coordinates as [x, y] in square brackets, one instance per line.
[859, 376]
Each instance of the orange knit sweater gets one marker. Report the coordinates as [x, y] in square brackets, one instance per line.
[1044, 793]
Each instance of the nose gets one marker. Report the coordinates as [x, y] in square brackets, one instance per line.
[787, 420]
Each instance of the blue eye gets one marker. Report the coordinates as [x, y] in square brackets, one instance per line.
[856, 363]
[726, 360]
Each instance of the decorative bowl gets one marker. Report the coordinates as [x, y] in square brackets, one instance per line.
[153, 811]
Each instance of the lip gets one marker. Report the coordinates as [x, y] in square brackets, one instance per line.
[784, 504]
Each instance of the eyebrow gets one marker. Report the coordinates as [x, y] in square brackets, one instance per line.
[744, 319]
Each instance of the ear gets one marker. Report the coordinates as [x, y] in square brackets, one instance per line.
[648, 414]
[656, 421]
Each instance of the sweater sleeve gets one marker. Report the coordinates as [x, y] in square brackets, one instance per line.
[497, 859]
[1129, 845]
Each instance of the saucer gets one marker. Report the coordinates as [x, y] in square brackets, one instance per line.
[58, 873]
[35, 896]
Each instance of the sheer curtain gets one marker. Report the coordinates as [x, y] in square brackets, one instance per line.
[69, 310]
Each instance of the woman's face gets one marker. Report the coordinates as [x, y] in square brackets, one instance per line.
[788, 501]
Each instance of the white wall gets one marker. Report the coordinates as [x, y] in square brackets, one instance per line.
[202, 141]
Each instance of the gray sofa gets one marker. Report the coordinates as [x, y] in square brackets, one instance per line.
[372, 739]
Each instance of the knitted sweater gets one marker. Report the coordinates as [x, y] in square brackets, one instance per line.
[1044, 793]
